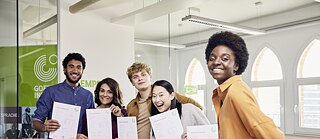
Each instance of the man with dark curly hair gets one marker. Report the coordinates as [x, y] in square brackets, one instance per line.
[238, 113]
[68, 92]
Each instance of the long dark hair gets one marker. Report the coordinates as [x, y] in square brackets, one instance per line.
[115, 89]
[174, 103]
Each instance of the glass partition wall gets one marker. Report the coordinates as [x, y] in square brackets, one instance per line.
[167, 53]
[28, 57]
[8, 68]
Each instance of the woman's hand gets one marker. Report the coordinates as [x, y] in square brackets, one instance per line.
[116, 110]
[81, 136]
[184, 135]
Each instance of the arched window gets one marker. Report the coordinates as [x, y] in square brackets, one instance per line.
[195, 73]
[266, 66]
[309, 86]
[195, 82]
[266, 79]
[309, 58]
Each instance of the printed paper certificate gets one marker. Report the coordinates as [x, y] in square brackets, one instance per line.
[68, 117]
[167, 125]
[99, 123]
[127, 128]
[202, 132]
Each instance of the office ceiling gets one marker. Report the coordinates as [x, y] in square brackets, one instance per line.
[232, 11]
[157, 28]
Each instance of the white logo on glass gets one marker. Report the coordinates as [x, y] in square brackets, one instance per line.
[41, 74]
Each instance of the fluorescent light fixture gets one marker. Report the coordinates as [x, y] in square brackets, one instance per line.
[52, 20]
[30, 53]
[85, 5]
[81, 5]
[156, 10]
[223, 25]
[160, 44]
[317, 0]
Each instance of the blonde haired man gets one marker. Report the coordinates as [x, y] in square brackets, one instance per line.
[139, 75]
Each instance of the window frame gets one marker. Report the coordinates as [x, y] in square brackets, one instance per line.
[297, 129]
[271, 83]
[200, 86]
[302, 81]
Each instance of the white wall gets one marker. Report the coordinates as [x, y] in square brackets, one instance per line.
[147, 54]
[108, 48]
[166, 65]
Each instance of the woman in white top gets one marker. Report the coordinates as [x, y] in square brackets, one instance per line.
[163, 100]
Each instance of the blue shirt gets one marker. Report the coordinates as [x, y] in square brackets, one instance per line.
[63, 93]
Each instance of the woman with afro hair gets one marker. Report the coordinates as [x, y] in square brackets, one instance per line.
[238, 113]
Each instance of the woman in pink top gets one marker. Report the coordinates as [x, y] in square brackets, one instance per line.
[238, 113]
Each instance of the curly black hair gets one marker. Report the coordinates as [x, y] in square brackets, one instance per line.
[235, 43]
[115, 89]
[74, 56]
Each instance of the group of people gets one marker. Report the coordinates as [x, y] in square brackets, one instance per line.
[238, 113]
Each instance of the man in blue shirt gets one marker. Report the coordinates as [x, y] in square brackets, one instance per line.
[68, 92]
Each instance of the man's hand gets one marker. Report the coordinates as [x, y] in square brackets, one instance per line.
[51, 125]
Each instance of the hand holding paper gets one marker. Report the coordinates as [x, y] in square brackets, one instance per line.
[167, 125]
[52, 125]
[68, 117]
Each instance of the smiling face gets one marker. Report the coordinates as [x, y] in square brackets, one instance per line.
[73, 71]
[141, 80]
[221, 63]
[161, 98]
[105, 95]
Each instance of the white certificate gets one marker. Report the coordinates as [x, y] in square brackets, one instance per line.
[202, 132]
[127, 128]
[99, 123]
[68, 117]
[167, 125]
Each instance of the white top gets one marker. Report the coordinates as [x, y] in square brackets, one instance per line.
[192, 116]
